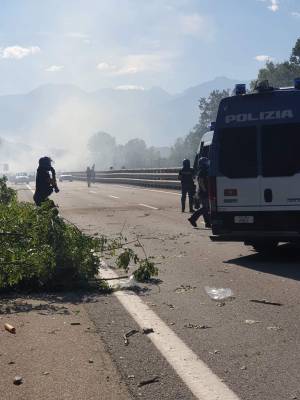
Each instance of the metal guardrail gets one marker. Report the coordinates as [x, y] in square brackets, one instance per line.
[149, 177]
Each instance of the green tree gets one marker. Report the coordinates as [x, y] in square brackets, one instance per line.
[295, 57]
[281, 74]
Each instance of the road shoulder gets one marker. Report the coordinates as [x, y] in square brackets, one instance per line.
[56, 350]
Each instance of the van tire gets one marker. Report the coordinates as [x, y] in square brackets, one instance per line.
[265, 246]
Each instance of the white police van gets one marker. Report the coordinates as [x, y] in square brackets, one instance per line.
[255, 167]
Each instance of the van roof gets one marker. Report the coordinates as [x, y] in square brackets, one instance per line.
[271, 106]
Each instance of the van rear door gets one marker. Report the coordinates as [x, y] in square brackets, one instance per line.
[238, 180]
[280, 182]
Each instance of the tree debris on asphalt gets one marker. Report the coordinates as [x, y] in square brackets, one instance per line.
[192, 326]
[128, 334]
[265, 301]
[149, 381]
[184, 288]
[274, 328]
[171, 306]
[10, 328]
[146, 331]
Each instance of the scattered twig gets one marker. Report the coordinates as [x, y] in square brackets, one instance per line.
[148, 381]
[128, 334]
[264, 301]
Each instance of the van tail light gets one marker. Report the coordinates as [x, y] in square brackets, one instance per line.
[212, 193]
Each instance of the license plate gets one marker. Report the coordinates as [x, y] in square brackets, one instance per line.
[244, 219]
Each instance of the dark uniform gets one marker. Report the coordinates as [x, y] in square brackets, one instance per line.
[89, 176]
[186, 175]
[45, 181]
[203, 194]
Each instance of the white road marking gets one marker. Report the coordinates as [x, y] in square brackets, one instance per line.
[146, 205]
[29, 187]
[198, 377]
[149, 190]
[114, 197]
[92, 191]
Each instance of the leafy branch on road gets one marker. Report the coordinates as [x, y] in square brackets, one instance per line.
[39, 249]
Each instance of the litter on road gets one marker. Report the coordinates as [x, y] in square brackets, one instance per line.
[218, 294]
[10, 328]
[18, 380]
[251, 322]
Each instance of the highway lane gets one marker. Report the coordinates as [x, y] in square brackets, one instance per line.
[257, 361]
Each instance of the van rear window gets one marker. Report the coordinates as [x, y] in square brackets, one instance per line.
[280, 150]
[238, 152]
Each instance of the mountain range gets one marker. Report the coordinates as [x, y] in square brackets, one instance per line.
[64, 116]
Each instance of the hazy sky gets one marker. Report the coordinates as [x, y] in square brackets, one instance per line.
[140, 43]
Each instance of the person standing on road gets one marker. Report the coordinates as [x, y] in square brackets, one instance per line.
[45, 181]
[186, 175]
[88, 176]
[203, 170]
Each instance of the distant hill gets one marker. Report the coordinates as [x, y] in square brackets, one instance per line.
[64, 116]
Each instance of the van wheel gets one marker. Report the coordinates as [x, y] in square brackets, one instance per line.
[265, 246]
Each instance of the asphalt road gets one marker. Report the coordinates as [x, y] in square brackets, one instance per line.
[258, 360]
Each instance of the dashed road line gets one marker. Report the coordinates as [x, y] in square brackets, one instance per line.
[146, 205]
[149, 190]
[197, 376]
[30, 188]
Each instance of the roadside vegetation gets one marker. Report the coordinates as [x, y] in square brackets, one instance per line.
[39, 249]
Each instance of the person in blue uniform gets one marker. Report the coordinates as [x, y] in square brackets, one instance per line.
[186, 176]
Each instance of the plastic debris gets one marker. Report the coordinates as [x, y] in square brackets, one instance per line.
[243, 368]
[46, 373]
[265, 301]
[148, 381]
[10, 328]
[218, 294]
[252, 322]
[125, 284]
[18, 380]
